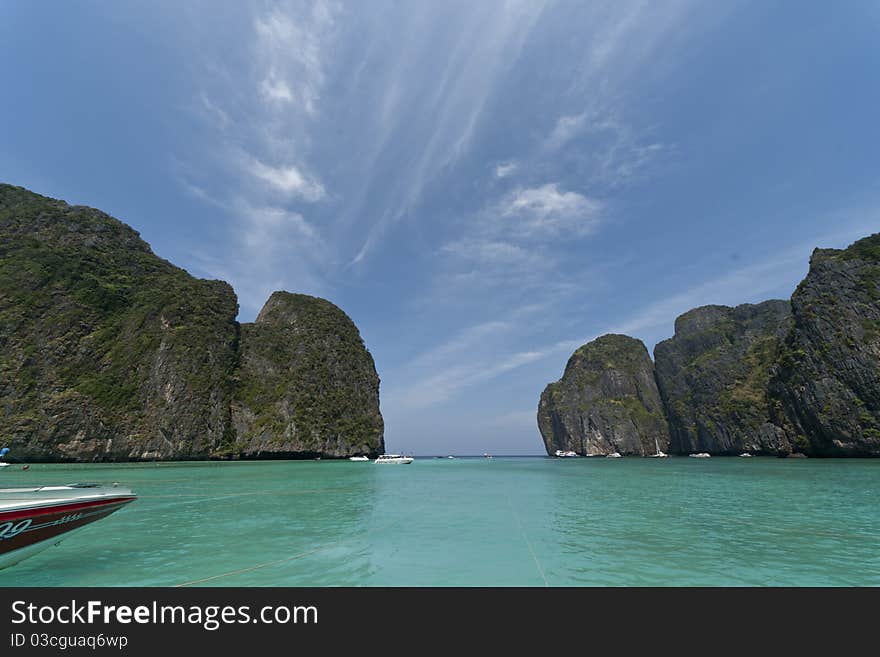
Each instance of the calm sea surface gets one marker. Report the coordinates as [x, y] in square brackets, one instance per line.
[472, 522]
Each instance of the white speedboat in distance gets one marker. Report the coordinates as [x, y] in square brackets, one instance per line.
[32, 519]
[745, 455]
[614, 455]
[565, 454]
[394, 458]
[358, 458]
[701, 455]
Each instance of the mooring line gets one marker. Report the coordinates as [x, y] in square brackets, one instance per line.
[528, 543]
[241, 571]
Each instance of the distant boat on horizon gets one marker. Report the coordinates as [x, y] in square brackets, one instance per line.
[700, 455]
[394, 458]
[565, 454]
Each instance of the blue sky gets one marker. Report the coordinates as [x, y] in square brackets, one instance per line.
[481, 186]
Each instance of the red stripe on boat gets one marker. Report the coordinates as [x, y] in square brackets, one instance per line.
[68, 507]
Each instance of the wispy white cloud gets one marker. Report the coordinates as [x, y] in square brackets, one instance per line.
[287, 179]
[484, 43]
[474, 355]
[455, 379]
[548, 211]
[624, 37]
[213, 112]
[777, 274]
[267, 236]
[258, 99]
[467, 339]
[505, 169]
[289, 48]
[266, 229]
[565, 129]
[513, 420]
[486, 251]
[276, 89]
[612, 153]
[469, 360]
[516, 247]
[753, 283]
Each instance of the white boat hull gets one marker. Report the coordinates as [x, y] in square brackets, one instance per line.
[32, 519]
[11, 558]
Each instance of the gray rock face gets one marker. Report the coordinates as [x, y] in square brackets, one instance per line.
[606, 401]
[713, 377]
[109, 353]
[788, 378]
[825, 389]
[306, 384]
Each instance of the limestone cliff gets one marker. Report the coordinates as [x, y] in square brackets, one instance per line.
[606, 401]
[713, 376]
[777, 377]
[826, 386]
[306, 384]
[109, 353]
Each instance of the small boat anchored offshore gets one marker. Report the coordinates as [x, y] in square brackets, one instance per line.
[565, 454]
[33, 519]
[700, 455]
[614, 455]
[658, 454]
[394, 458]
[358, 458]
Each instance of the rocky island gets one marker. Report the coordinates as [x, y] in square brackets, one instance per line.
[607, 401]
[305, 383]
[798, 377]
[110, 353]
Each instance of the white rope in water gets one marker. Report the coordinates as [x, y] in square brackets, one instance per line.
[528, 543]
[241, 571]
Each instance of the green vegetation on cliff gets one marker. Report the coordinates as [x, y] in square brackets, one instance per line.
[108, 352]
[306, 382]
[606, 401]
[713, 376]
[775, 377]
[826, 387]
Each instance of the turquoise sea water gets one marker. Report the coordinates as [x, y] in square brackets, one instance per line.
[510, 521]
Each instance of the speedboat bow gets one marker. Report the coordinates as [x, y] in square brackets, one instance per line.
[32, 519]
